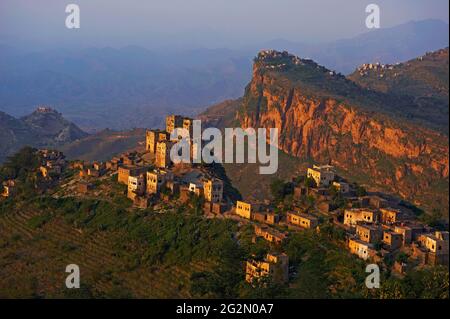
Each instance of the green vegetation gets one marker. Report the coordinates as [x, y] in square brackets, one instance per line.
[421, 284]
[20, 166]
[280, 189]
[178, 253]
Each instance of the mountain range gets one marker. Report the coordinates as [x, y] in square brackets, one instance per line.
[132, 87]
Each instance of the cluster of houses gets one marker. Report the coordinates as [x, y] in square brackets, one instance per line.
[52, 163]
[365, 68]
[270, 55]
[152, 176]
[375, 227]
[374, 230]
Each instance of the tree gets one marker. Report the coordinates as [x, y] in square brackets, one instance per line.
[280, 189]
[361, 191]
[309, 182]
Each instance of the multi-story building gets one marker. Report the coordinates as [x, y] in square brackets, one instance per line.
[244, 209]
[274, 265]
[437, 246]
[409, 231]
[213, 190]
[153, 137]
[173, 122]
[390, 215]
[188, 125]
[302, 220]
[126, 171]
[136, 186]
[361, 248]
[354, 215]
[369, 233]
[157, 179]
[323, 175]
[163, 154]
[392, 239]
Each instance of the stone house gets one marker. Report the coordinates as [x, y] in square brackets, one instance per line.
[157, 179]
[244, 209]
[323, 175]
[126, 171]
[369, 233]
[342, 187]
[390, 215]
[274, 265]
[163, 154]
[136, 186]
[270, 234]
[361, 248]
[302, 220]
[354, 215]
[213, 190]
[173, 122]
[392, 239]
[152, 137]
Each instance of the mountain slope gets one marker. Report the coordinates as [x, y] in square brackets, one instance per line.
[425, 79]
[323, 117]
[104, 145]
[49, 124]
[43, 128]
[13, 132]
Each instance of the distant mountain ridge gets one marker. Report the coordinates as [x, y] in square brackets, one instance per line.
[388, 45]
[44, 127]
[132, 87]
[424, 79]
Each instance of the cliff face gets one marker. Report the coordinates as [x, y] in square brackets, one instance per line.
[316, 121]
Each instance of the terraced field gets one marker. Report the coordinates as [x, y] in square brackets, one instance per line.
[34, 260]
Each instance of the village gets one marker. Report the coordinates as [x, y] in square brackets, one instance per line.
[376, 228]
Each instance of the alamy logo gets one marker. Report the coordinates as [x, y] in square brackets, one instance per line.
[73, 19]
[73, 279]
[373, 19]
[373, 279]
[260, 148]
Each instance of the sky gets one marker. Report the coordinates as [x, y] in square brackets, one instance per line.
[186, 24]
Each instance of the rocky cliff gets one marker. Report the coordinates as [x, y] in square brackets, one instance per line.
[324, 117]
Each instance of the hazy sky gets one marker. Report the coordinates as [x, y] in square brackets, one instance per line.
[199, 23]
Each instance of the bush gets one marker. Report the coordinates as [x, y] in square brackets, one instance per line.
[39, 221]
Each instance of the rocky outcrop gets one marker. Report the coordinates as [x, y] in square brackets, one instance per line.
[325, 126]
[44, 127]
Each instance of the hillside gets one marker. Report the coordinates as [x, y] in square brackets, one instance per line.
[42, 128]
[425, 79]
[104, 145]
[171, 249]
[324, 117]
